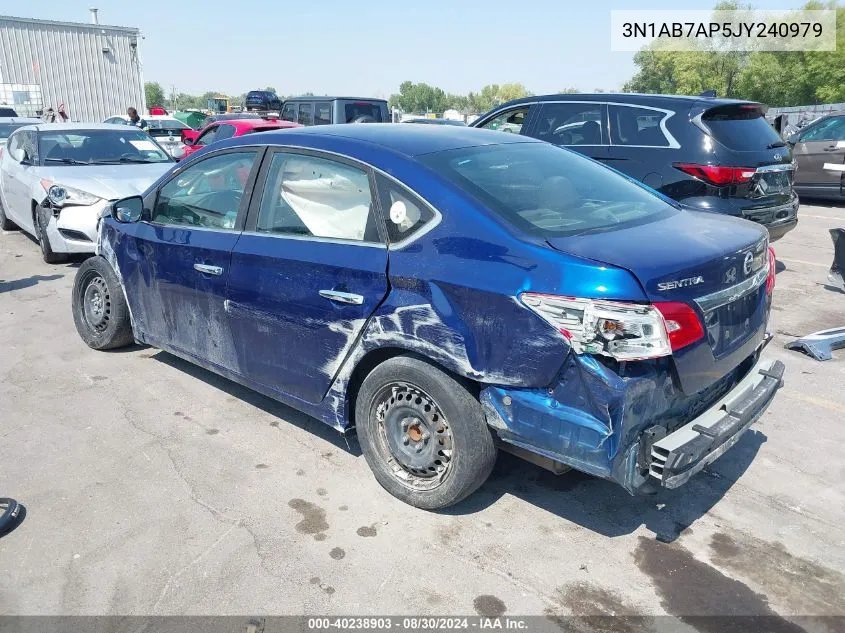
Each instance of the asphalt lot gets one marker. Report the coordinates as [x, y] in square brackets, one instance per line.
[155, 487]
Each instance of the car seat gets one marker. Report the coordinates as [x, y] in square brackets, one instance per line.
[590, 133]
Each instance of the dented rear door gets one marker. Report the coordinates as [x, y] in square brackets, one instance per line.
[307, 273]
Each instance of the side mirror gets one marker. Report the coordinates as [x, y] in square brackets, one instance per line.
[128, 210]
[18, 154]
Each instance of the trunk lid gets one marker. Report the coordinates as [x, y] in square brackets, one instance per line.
[715, 263]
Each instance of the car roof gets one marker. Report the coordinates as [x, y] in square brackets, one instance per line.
[247, 124]
[623, 97]
[327, 98]
[70, 127]
[408, 140]
[19, 119]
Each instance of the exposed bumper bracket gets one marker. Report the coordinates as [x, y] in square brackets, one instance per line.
[687, 450]
[820, 345]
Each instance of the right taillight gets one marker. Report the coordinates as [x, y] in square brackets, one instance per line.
[718, 174]
[770, 278]
[624, 331]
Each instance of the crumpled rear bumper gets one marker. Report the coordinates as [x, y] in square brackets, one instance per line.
[636, 429]
[684, 452]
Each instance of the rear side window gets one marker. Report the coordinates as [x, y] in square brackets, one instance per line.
[741, 127]
[322, 113]
[317, 197]
[306, 114]
[546, 190]
[571, 124]
[405, 213]
[363, 112]
[630, 125]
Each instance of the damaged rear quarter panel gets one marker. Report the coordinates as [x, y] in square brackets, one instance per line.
[454, 300]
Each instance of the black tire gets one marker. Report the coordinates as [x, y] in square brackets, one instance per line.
[406, 413]
[42, 218]
[5, 223]
[99, 307]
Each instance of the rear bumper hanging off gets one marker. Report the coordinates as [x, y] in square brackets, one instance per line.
[684, 452]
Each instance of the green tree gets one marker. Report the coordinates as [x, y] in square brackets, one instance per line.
[153, 94]
[270, 89]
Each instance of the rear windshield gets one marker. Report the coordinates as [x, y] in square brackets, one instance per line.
[546, 190]
[157, 126]
[258, 95]
[8, 112]
[741, 128]
[363, 112]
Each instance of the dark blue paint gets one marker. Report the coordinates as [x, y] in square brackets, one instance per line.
[450, 296]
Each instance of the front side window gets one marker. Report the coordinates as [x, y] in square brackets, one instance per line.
[545, 190]
[310, 196]
[99, 147]
[207, 194]
[830, 130]
[207, 137]
[289, 112]
[571, 124]
[630, 125]
[510, 121]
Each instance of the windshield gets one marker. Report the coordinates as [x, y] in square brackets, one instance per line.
[166, 124]
[6, 129]
[546, 190]
[99, 147]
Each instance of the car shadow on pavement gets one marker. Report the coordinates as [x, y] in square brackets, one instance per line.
[596, 504]
[284, 413]
[26, 282]
[605, 507]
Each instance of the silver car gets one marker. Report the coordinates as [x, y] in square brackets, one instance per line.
[56, 180]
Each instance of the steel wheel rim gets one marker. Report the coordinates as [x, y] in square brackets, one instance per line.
[413, 436]
[96, 304]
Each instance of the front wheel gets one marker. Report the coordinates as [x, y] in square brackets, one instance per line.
[42, 219]
[423, 433]
[100, 312]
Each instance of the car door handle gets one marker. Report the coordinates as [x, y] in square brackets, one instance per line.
[342, 297]
[832, 148]
[208, 270]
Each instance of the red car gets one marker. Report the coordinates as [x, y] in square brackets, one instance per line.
[219, 130]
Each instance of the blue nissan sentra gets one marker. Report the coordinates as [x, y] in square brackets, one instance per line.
[448, 292]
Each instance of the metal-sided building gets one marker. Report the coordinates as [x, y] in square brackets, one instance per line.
[93, 69]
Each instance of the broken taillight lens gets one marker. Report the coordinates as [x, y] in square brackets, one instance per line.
[718, 174]
[624, 331]
[770, 278]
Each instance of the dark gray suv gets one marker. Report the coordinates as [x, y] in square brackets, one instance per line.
[709, 154]
[328, 110]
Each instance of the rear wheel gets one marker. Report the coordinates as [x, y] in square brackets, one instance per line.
[423, 433]
[99, 308]
[42, 219]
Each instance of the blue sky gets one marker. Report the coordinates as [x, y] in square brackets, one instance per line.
[368, 47]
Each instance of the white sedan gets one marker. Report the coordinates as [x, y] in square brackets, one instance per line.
[56, 180]
[166, 130]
